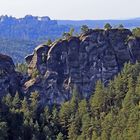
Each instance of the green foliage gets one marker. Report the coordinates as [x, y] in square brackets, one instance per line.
[16, 101]
[3, 130]
[60, 136]
[84, 28]
[82, 107]
[98, 99]
[7, 100]
[35, 73]
[107, 26]
[71, 32]
[48, 43]
[66, 35]
[111, 113]
[136, 32]
[22, 67]
[33, 103]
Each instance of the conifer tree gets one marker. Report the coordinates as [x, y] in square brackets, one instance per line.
[82, 107]
[94, 136]
[16, 101]
[107, 26]
[56, 127]
[107, 125]
[117, 132]
[34, 103]
[98, 99]
[60, 136]
[84, 28]
[3, 130]
[25, 108]
[128, 102]
[137, 91]
[130, 132]
[74, 128]
[64, 114]
[86, 125]
[7, 100]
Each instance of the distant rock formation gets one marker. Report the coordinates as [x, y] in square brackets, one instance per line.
[79, 62]
[23, 34]
[28, 28]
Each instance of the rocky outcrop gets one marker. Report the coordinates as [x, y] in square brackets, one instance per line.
[9, 78]
[26, 28]
[79, 62]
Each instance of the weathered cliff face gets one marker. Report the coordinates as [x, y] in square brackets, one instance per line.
[79, 61]
[9, 78]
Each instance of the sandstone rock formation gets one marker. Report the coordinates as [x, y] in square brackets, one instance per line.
[79, 62]
[9, 78]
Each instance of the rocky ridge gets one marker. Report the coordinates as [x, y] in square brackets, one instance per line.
[79, 62]
[76, 62]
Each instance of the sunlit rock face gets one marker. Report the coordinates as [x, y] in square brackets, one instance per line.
[79, 62]
[9, 78]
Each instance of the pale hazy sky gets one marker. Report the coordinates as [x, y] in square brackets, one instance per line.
[72, 9]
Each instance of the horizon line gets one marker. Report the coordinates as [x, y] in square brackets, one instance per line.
[18, 17]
